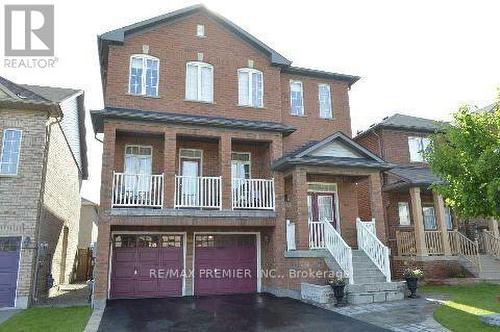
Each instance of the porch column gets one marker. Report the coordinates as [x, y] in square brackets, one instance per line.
[441, 222]
[418, 221]
[169, 167]
[108, 166]
[299, 196]
[377, 206]
[493, 227]
[102, 261]
[225, 171]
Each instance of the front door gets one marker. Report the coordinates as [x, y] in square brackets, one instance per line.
[190, 170]
[321, 207]
[9, 265]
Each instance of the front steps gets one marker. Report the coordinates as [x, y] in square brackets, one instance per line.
[490, 268]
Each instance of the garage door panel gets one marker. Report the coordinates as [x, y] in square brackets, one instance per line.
[147, 254]
[170, 287]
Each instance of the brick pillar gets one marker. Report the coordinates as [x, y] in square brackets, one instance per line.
[108, 166]
[441, 222]
[169, 167]
[493, 226]
[225, 171]
[299, 196]
[418, 221]
[377, 205]
[102, 260]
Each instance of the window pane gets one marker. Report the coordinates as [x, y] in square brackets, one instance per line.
[152, 77]
[404, 213]
[415, 147]
[257, 89]
[206, 84]
[325, 208]
[325, 101]
[430, 222]
[192, 82]
[296, 101]
[243, 90]
[136, 69]
[11, 145]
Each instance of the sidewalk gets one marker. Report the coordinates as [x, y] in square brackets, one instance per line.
[67, 296]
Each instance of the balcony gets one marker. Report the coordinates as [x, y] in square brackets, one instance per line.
[253, 194]
[198, 192]
[137, 190]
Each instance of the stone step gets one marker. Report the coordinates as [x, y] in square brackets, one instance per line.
[377, 287]
[368, 280]
[375, 297]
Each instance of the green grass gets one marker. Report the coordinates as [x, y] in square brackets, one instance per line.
[467, 303]
[71, 319]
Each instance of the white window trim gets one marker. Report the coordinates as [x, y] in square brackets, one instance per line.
[3, 148]
[408, 215]
[302, 105]
[250, 71]
[249, 162]
[132, 154]
[199, 65]
[337, 199]
[202, 28]
[320, 85]
[144, 70]
[200, 158]
[420, 139]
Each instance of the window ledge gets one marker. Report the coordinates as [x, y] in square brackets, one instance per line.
[8, 175]
[252, 107]
[144, 96]
[199, 101]
[298, 116]
[327, 119]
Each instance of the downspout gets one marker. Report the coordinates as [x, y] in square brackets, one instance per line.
[48, 131]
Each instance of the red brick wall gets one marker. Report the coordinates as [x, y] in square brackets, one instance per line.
[433, 269]
[395, 145]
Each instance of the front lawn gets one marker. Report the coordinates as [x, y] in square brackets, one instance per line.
[71, 319]
[466, 304]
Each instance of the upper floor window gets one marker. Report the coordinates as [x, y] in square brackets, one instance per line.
[241, 165]
[200, 30]
[11, 146]
[417, 146]
[200, 82]
[250, 87]
[404, 213]
[325, 101]
[296, 98]
[144, 75]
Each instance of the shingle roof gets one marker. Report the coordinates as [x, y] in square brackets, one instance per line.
[135, 114]
[19, 92]
[50, 93]
[301, 156]
[406, 122]
[413, 176]
[321, 74]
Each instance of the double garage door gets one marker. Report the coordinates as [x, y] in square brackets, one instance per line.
[9, 265]
[152, 265]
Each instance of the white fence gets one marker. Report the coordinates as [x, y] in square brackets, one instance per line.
[136, 190]
[253, 194]
[198, 192]
[373, 247]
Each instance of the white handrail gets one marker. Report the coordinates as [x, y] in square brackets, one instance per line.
[373, 247]
[198, 192]
[253, 194]
[338, 248]
[491, 244]
[136, 190]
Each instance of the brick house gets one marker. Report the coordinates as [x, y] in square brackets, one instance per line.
[419, 225]
[218, 154]
[42, 164]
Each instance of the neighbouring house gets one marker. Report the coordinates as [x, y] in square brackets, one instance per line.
[220, 155]
[42, 164]
[421, 229]
[87, 231]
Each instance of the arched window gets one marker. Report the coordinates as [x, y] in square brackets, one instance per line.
[199, 81]
[144, 75]
[250, 87]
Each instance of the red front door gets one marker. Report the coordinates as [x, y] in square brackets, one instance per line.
[225, 264]
[146, 265]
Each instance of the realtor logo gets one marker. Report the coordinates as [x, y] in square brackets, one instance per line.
[29, 30]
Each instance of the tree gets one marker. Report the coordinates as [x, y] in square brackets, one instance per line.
[466, 155]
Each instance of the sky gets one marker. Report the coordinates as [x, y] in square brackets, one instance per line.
[422, 58]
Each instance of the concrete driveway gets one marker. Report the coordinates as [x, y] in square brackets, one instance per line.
[255, 312]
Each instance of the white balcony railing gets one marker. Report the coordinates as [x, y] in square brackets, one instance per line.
[137, 190]
[198, 192]
[254, 194]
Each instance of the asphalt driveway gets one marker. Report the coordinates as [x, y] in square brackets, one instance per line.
[254, 312]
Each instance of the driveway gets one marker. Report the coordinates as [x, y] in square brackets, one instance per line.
[254, 312]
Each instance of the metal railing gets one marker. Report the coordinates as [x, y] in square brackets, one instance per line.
[198, 192]
[373, 247]
[137, 190]
[253, 194]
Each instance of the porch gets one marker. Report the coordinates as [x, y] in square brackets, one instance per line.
[189, 171]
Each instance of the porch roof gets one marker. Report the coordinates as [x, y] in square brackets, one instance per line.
[412, 176]
[343, 152]
[142, 115]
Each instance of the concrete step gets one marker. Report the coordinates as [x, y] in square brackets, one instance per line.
[375, 292]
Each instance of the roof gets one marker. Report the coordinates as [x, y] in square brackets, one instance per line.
[305, 155]
[118, 36]
[490, 108]
[18, 92]
[412, 176]
[87, 202]
[321, 74]
[406, 122]
[53, 94]
[141, 115]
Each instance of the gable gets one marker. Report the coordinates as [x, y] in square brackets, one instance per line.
[336, 149]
